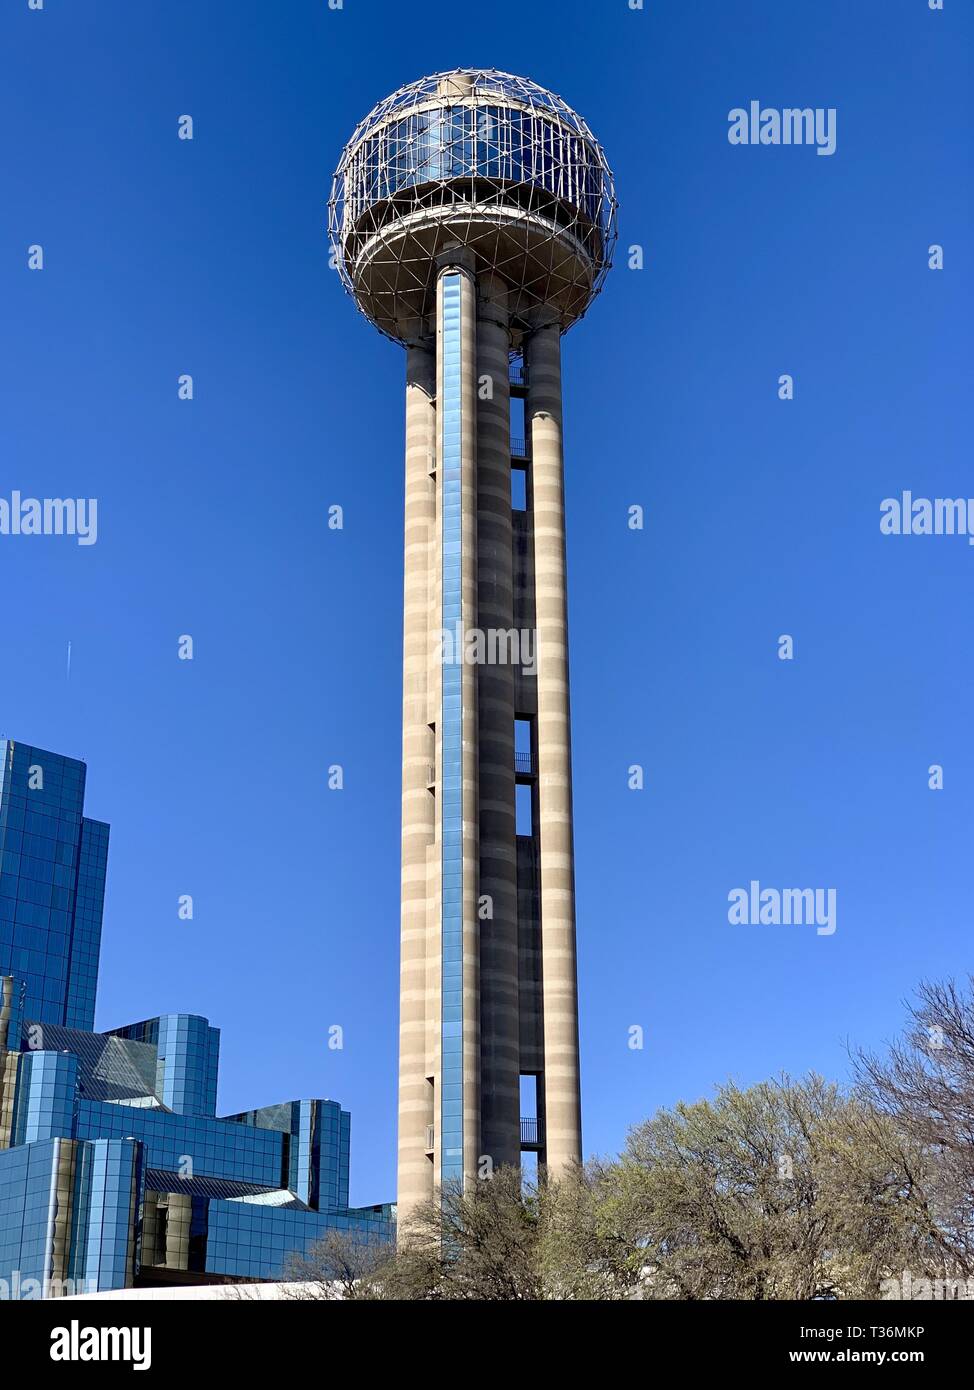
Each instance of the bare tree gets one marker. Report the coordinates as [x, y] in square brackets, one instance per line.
[475, 1243]
[335, 1267]
[509, 1239]
[924, 1086]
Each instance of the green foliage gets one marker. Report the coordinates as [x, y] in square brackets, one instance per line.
[787, 1190]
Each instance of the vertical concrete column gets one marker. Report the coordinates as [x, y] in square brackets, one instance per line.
[500, 1059]
[562, 1103]
[415, 1175]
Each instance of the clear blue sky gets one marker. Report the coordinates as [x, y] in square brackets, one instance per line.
[164, 257]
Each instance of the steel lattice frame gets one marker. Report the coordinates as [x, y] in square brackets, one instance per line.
[479, 160]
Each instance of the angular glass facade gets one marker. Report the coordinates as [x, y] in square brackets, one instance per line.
[127, 1190]
[115, 1169]
[68, 1217]
[187, 1060]
[52, 884]
[79, 1011]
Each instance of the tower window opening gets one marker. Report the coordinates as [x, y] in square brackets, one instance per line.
[519, 489]
[529, 1096]
[529, 1171]
[518, 418]
[523, 809]
[518, 427]
[523, 756]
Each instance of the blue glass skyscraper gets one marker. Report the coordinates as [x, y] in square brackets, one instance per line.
[115, 1169]
[52, 884]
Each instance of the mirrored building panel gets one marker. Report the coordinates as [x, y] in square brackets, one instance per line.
[115, 1169]
[53, 862]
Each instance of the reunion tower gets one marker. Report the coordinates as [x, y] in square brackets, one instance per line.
[473, 218]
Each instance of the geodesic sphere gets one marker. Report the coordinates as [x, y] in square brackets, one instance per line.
[486, 162]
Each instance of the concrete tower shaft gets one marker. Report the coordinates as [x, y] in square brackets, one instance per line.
[473, 219]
